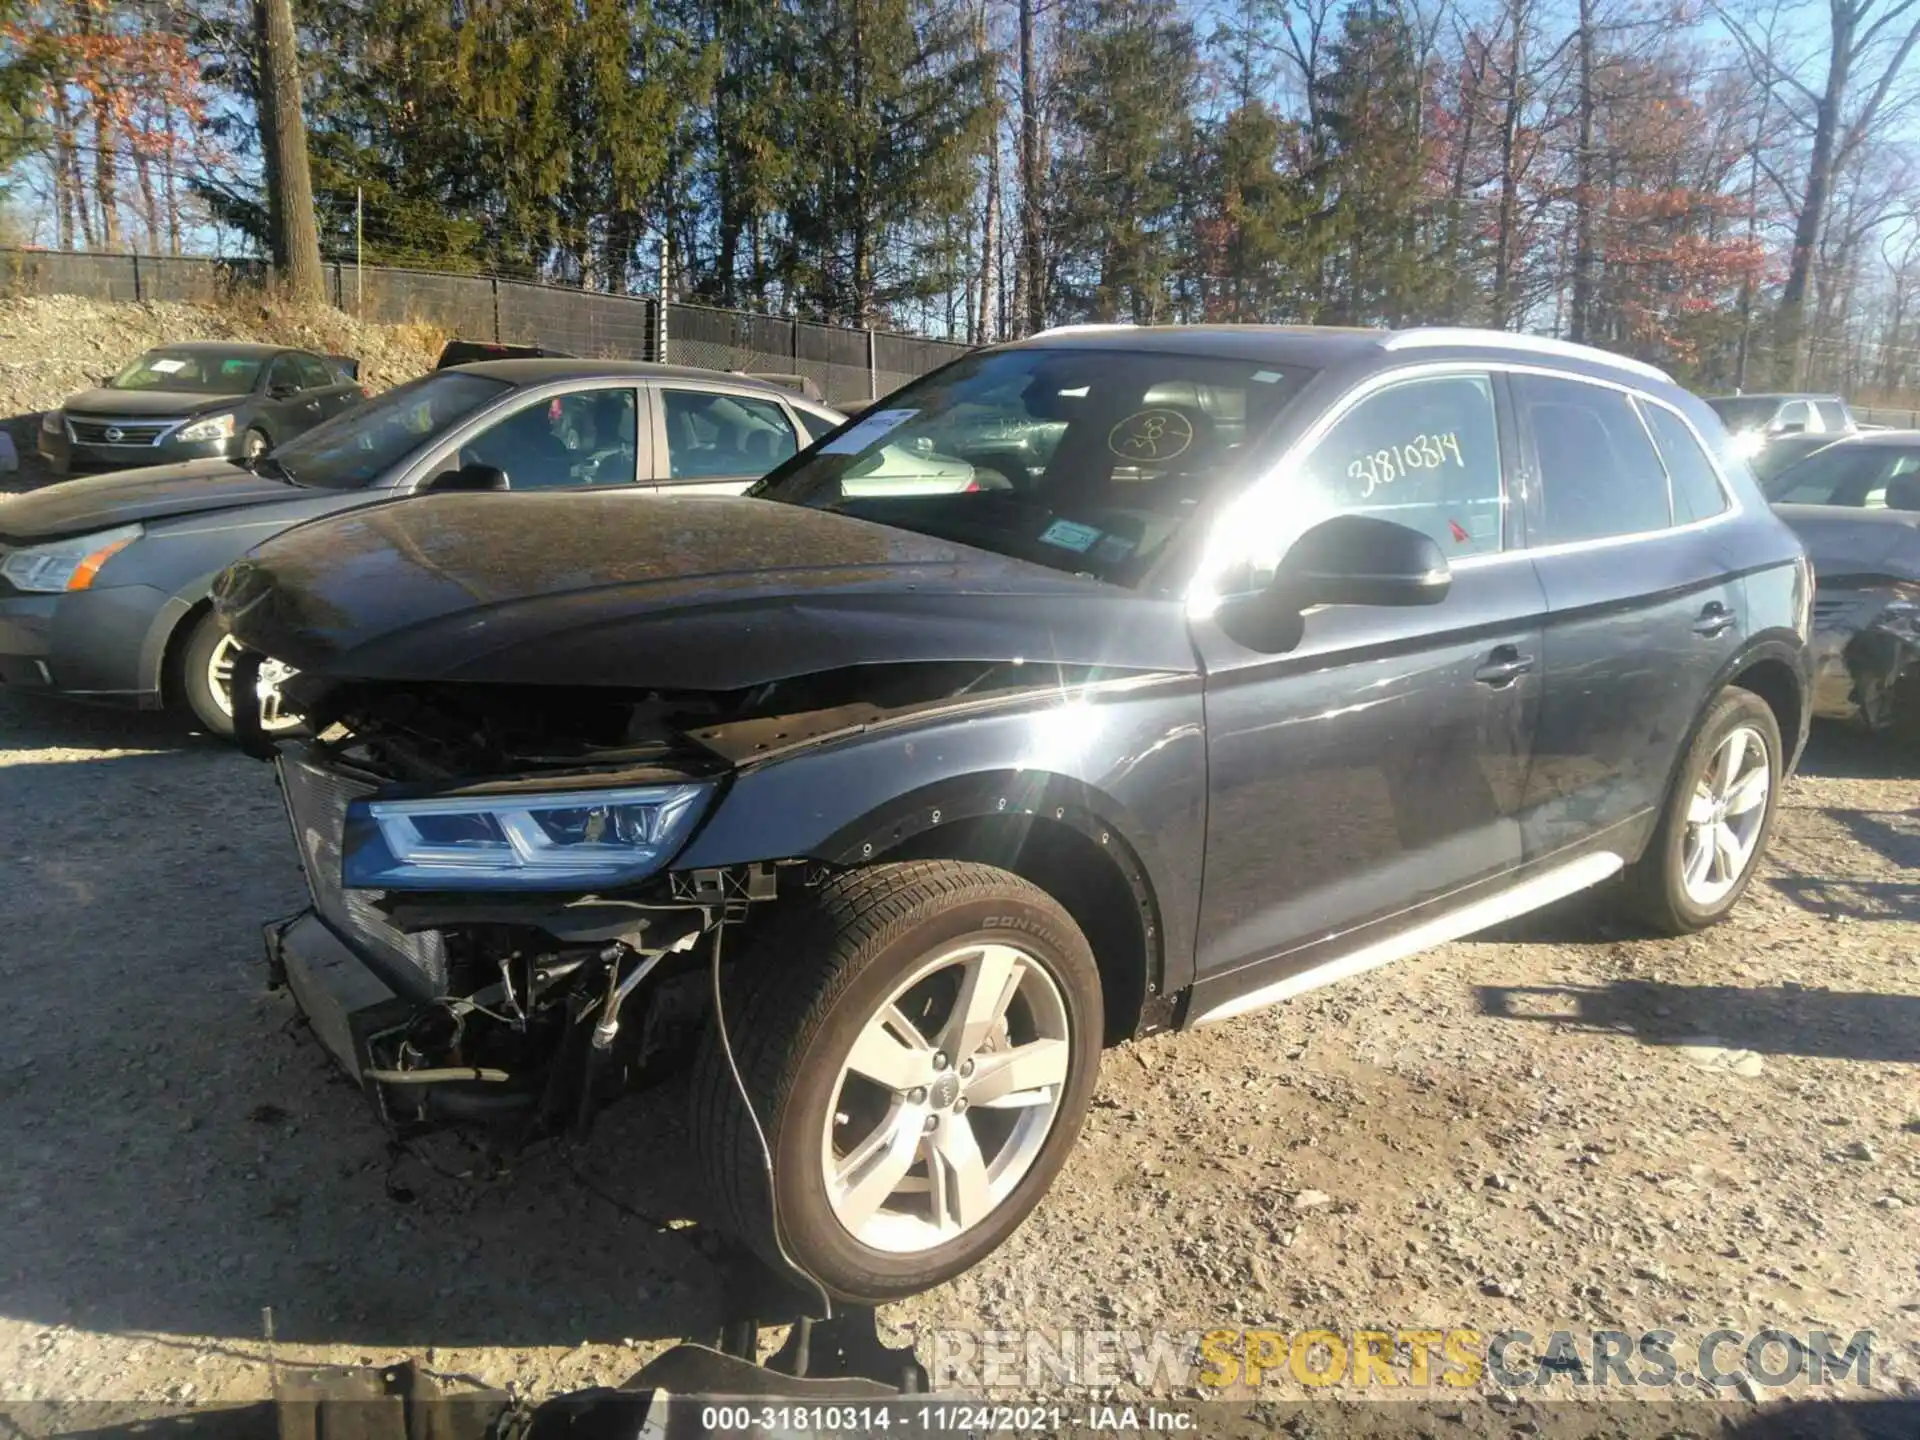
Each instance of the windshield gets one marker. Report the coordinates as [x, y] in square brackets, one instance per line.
[1852, 475]
[1086, 460]
[1744, 412]
[359, 445]
[197, 372]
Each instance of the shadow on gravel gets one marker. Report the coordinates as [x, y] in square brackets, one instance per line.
[1840, 896]
[1840, 752]
[179, 1153]
[1788, 1020]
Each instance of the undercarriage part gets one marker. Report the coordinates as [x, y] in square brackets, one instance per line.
[442, 1076]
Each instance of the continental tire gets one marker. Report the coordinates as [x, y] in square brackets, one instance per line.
[920, 1042]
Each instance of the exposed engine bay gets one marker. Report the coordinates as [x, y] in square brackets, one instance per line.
[531, 1010]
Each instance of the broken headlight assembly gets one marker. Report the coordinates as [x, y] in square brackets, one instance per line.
[558, 840]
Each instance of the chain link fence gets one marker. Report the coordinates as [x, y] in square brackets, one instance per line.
[850, 367]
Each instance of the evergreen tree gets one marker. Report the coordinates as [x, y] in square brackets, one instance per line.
[1383, 267]
[1130, 91]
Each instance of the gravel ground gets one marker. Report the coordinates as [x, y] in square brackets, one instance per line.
[1556, 1126]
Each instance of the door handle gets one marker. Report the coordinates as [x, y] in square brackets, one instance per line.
[1504, 666]
[1714, 620]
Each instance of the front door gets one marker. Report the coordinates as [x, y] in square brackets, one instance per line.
[1641, 611]
[1381, 763]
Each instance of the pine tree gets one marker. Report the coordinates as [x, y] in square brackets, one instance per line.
[1130, 90]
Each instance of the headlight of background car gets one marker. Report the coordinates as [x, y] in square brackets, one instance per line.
[66, 564]
[1748, 443]
[214, 427]
[560, 840]
[53, 422]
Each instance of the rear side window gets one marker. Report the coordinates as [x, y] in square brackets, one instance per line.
[1424, 453]
[718, 434]
[1690, 474]
[1833, 415]
[314, 374]
[1599, 473]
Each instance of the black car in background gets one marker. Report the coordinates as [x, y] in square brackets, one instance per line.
[206, 400]
[1280, 654]
[1855, 504]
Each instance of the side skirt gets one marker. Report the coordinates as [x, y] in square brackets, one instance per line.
[1543, 889]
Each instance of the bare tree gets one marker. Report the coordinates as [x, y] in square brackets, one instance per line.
[1869, 43]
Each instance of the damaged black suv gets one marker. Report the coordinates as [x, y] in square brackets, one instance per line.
[1238, 661]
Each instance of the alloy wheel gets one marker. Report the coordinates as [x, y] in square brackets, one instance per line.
[1725, 817]
[946, 1097]
[273, 674]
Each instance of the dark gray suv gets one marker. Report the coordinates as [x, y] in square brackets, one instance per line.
[1279, 655]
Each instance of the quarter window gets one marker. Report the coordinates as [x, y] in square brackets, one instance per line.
[1690, 474]
[1599, 473]
[1833, 415]
[711, 434]
[1425, 453]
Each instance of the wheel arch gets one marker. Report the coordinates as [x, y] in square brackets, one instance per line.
[1061, 835]
[1774, 668]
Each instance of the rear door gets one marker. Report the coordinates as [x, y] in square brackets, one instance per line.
[1641, 612]
[320, 381]
[717, 440]
[1381, 763]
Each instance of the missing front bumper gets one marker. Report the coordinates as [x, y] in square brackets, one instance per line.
[347, 1005]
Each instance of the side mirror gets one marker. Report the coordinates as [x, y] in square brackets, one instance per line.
[282, 392]
[1348, 560]
[1361, 560]
[467, 477]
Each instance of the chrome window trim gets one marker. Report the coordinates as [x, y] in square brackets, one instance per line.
[408, 475]
[1361, 389]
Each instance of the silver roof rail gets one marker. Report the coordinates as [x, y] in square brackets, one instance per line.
[1080, 329]
[1438, 335]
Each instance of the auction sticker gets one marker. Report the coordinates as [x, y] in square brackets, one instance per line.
[872, 428]
[1070, 536]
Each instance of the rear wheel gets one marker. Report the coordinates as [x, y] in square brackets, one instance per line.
[920, 1042]
[1717, 818]
[206, 682]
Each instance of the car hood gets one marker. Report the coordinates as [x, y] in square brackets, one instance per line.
[1844, 540]
[147, 403]
[100, 502]
[666, 592]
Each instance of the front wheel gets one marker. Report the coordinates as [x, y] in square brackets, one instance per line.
[920, 1042]
[254, 444]
[1717, 818]
[206, 682]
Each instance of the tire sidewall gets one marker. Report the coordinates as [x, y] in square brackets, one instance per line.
[812, 1231]
[246, 450]
[1735, 709]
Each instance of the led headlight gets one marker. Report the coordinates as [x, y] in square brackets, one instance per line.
[214, 427]
[52, 422]
[561, 840]
[69, 564]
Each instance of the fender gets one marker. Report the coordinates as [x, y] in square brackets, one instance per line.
[1125, 762]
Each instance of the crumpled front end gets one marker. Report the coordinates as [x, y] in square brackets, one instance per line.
[1866, 653]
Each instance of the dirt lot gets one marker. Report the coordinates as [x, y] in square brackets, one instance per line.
[1558, 1126]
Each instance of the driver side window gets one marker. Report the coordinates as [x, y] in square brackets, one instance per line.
[1424, 453]
[589, 437]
